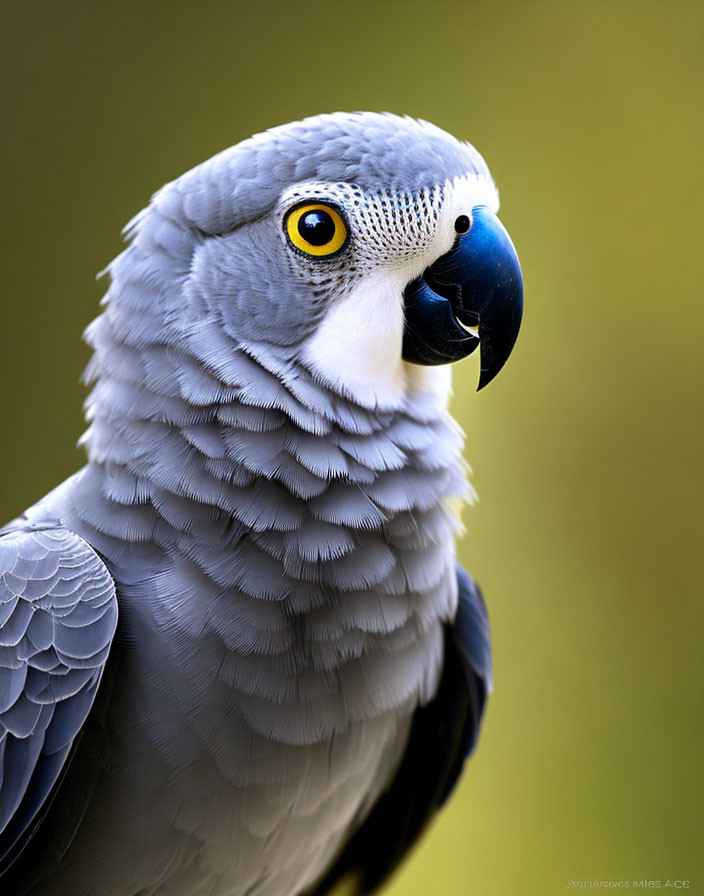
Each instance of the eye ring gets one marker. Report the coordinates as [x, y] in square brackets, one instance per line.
[315, 228]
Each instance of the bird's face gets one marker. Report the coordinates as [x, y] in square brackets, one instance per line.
[371, 278]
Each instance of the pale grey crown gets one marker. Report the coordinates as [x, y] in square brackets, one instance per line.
[376, 152]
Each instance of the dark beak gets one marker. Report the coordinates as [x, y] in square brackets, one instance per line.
[477, 284]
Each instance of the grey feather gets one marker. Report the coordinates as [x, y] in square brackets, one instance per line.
[58, 603]
[283, 553]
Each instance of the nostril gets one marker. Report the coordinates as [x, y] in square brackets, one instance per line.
[462, 224]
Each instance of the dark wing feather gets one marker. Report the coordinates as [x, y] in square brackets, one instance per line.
[443, 734]
[58, 613]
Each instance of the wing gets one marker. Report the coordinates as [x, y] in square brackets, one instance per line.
[58, 613]
[443, 734]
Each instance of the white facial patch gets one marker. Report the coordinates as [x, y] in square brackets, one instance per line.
[357, 346]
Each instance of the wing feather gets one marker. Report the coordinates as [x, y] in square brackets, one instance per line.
[58, 613]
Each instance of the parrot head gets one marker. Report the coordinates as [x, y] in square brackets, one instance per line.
[362, 247]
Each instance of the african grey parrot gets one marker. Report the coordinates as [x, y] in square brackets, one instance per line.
[237, 654]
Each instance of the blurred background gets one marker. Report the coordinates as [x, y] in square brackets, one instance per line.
[587, 450]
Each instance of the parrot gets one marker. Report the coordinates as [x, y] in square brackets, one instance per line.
[238, 655]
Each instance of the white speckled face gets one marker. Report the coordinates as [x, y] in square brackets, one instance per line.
[391, 239]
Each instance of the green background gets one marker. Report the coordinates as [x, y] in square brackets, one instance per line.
[587, 449]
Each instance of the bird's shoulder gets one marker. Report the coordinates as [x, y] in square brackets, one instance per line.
[58, 615]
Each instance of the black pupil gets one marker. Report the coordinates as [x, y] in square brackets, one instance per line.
[462, 224]
[316, 227]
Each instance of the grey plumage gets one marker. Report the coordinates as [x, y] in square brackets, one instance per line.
[57, 619]
[282, 546]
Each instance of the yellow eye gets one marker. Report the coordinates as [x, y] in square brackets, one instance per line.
[316, 229]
